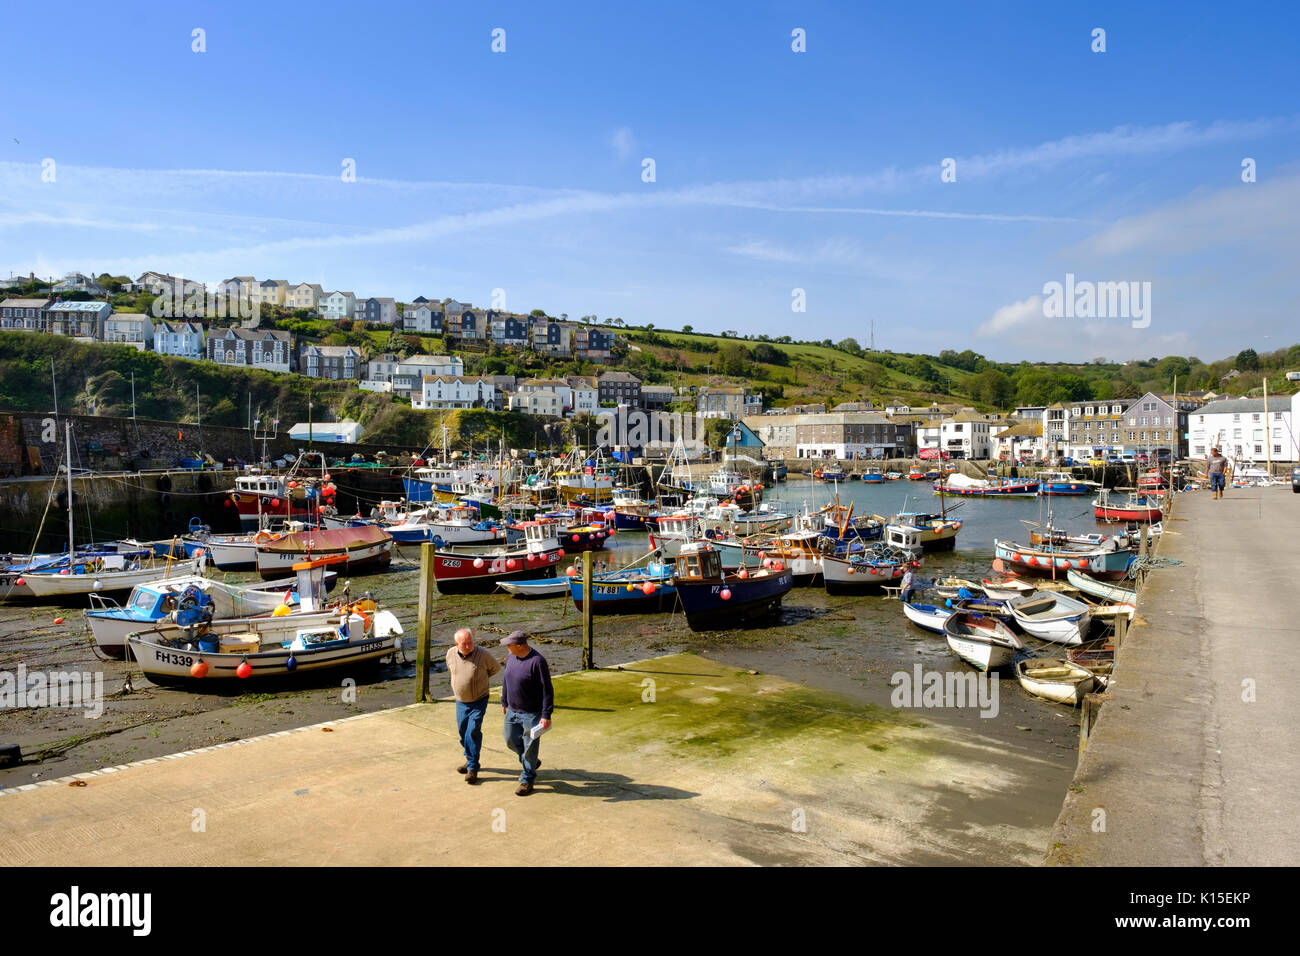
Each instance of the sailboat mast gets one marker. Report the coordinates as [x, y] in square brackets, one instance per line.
[1268, 447]
[71, 548]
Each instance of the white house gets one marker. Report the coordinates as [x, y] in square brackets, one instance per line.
[422, 365]
[966, 435]
[1017, 442]
[184, 339]
[456, 391]
[557, 385]
[1244, 431]
[929, 435]
[337, 305]
[538, 402]
[586, 396]
[129, 328]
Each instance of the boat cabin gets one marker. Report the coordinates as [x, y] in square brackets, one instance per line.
[698, 563]
[905, 537]
[541, 535]
[260, 485]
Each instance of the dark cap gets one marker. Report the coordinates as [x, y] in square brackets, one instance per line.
[515, 637]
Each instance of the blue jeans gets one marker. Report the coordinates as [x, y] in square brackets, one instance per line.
[1216, 482]
[517, 725]
[469, 724]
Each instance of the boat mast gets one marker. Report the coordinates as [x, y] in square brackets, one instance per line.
[71, 549]
[1268, 448]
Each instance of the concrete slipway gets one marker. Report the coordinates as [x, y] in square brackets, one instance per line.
[722, 767]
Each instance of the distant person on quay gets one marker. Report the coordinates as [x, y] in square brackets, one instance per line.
[470, 668]
[527, 700]
[1216, 466]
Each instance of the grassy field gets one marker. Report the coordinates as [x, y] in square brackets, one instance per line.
[815, 373]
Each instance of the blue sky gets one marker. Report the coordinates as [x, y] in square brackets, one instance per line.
[775, 170]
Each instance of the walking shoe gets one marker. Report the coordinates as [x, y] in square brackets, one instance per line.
[463, 768]
[471, 776]
[524, 790]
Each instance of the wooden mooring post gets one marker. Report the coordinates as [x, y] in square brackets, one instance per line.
[1089, 713]
[424, 629]
[588, 663]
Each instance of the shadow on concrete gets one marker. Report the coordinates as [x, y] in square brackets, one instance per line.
[610, 787]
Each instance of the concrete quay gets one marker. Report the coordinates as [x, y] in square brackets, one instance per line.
[1195, 757]
[673, 761]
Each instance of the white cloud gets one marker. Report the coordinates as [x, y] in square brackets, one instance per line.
[1261, 212]
[1013, 316]
[623, 142]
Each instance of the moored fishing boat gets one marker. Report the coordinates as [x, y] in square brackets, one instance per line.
[640, 590]
[477, 570]
[917, 473]
[1056, 680]
[218, 605]
[933, 532]
[712, 599]
[1138, 507]
[980, 640]
[1052, 617]
[365, 549]
[866, 570]
[1062, 483]
[873, 475]
[958, 484]
[1111, 559]
[193, 647]
[831, 472]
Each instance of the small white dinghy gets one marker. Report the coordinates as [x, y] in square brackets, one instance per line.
[981, 641]
[928, 616]
[1050, 616]
[543, 587]
[1056, 680]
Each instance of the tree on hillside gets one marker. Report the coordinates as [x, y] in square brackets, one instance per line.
[770, 354]
[993, 387]
[1247, 360]
[687, 328]
[1173, 365]
[850, 345]
[1126, 389]
[734, 360]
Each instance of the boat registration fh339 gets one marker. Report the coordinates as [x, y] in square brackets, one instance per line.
[180, 660]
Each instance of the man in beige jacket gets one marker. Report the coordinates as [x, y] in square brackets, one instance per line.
[470, 668]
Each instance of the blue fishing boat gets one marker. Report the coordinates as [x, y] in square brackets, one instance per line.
[1063, 483]
[631, 590]
[712, 599]
[873, 475]
[1108, 560]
